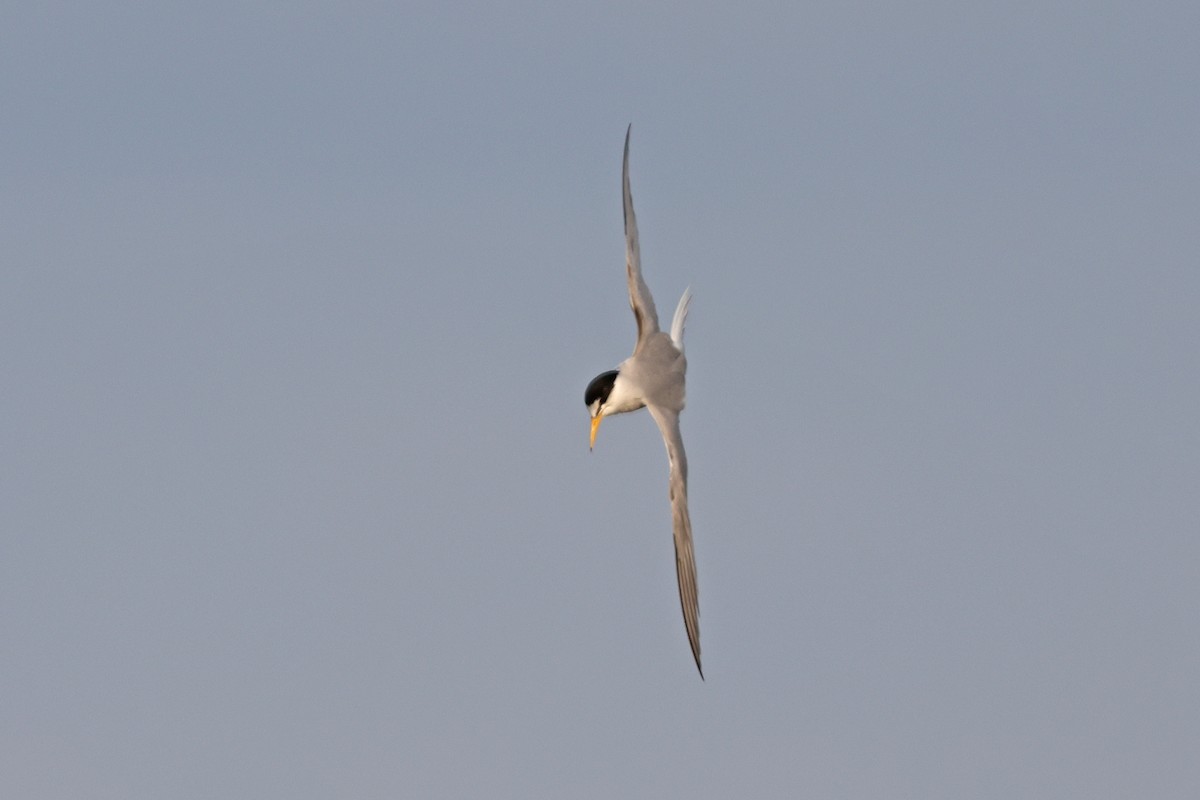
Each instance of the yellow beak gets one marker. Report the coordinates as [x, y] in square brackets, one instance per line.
[595, 426]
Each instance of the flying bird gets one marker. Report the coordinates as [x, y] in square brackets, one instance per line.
[653, 378]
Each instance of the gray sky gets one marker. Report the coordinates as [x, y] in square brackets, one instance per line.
[298, 306]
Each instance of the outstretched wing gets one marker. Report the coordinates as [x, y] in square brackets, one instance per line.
[685, 559]
[639, 295]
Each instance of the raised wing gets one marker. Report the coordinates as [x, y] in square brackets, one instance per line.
[639, 294]
[685, 559]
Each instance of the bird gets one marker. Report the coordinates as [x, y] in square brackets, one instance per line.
[654, 378]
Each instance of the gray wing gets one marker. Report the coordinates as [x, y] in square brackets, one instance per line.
[639, 294]
[685, 559]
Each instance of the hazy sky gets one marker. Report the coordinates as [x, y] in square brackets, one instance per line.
[298, 303]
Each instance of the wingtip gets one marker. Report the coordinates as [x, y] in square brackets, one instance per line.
[626, 199]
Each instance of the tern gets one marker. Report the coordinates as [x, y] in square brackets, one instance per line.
[653, 378]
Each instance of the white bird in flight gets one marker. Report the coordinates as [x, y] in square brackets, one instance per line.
[653, 378]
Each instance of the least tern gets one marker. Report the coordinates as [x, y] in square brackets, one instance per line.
[653, 378]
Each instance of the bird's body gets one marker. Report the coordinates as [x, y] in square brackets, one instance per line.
[654, 377]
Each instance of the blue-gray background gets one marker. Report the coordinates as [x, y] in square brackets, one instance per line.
[299, 302]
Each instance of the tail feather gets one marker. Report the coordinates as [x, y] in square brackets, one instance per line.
[681, 312]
